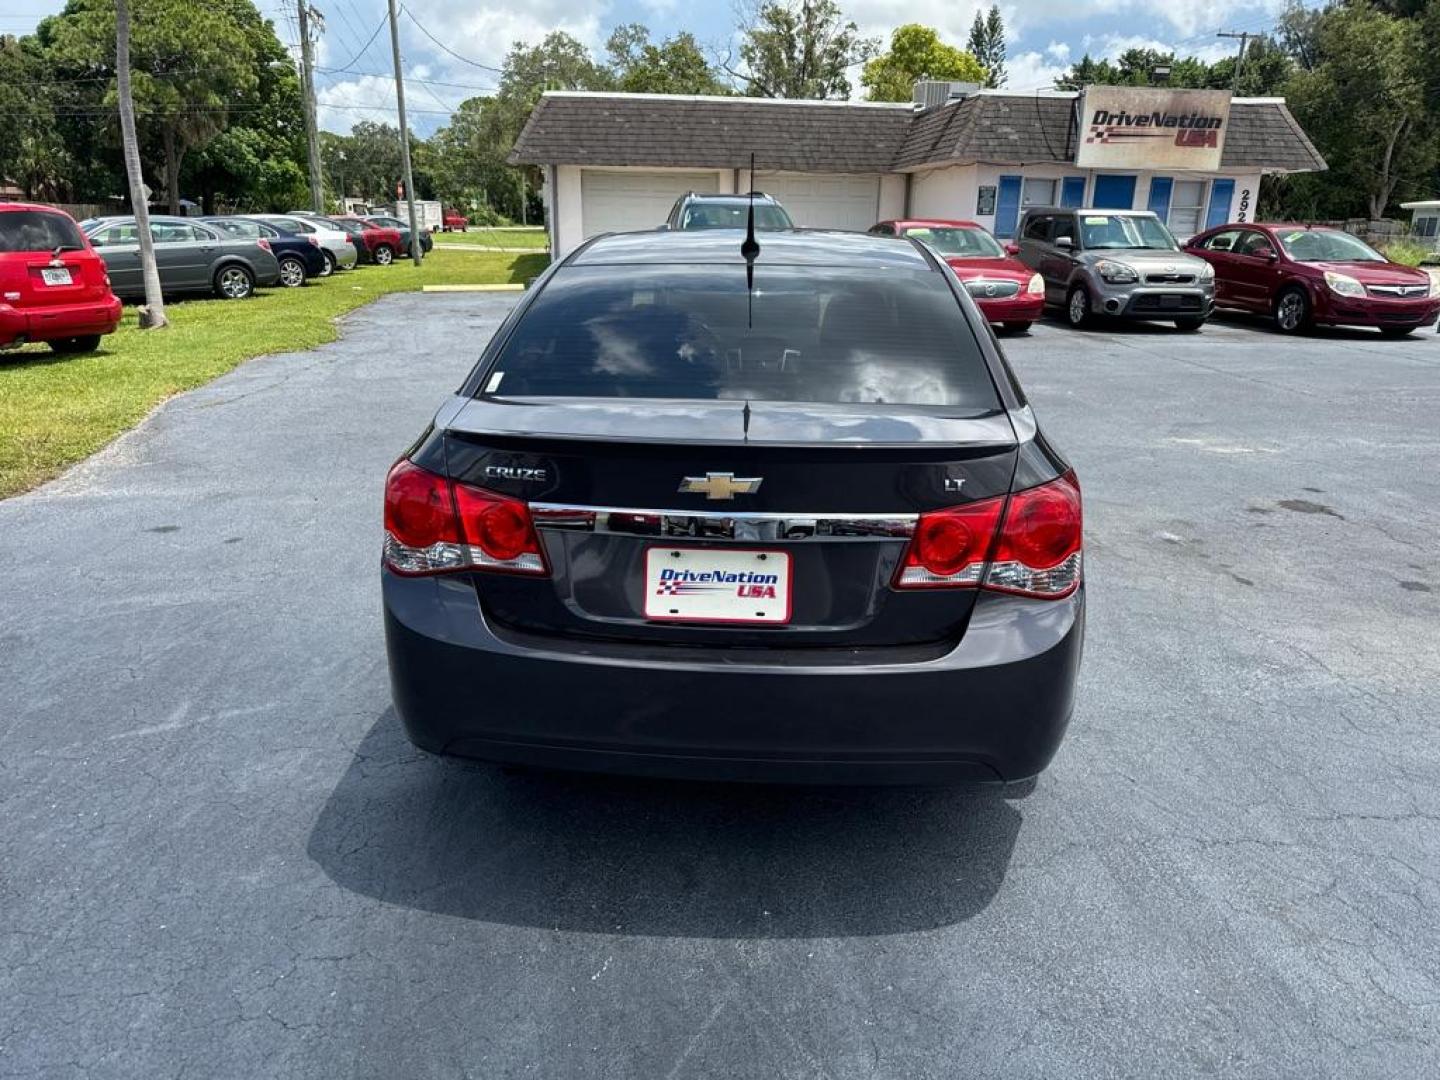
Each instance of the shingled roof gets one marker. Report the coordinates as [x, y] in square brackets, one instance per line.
[1025, 129]
[663, 130]
[711, 132]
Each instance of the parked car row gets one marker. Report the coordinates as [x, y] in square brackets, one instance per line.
[62, 282]
[1093, 264]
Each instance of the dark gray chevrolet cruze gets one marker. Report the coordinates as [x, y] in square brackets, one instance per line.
[780, 518]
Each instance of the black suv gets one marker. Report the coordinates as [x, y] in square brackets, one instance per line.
[696, 211]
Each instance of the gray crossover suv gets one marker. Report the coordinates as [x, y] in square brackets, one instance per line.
[1120, 263]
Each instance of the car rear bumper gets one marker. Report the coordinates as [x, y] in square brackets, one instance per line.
[58, 321]
[346, 254]
[992, 708]
[1024, 307]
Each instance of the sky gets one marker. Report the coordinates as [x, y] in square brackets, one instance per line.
[467, 41]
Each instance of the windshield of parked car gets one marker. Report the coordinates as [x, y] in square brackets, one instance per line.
[957, 243]
[37, 230]
[768, 216]
[1123, 231]
[808, 333]
[1326, 245]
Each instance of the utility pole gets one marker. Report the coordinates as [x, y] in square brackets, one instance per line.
[307, 89]
[415, 255]
[1244, 36]
[152, 315]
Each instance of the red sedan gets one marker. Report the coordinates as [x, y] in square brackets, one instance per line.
[375, 243]
[1304, 275]
[53, 287]
[1007, 291]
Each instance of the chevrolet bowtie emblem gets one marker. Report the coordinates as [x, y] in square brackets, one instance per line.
[720, 485]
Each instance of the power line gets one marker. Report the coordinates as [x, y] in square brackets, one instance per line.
[446, 48]
[351, 62]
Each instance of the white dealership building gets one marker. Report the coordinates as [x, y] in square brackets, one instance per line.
[617, 162]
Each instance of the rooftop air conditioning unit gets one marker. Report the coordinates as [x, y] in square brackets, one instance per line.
[932, 93]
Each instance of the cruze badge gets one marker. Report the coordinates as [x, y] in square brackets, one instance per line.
[515, 472]
[720, 485]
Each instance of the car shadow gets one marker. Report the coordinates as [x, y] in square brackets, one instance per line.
[1265, 324]
[605, 854]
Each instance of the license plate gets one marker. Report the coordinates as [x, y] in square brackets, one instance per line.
[717, 585]
[56, 275]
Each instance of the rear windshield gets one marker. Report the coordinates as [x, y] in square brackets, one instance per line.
[703, 215]
[808, 333]
[35, 230]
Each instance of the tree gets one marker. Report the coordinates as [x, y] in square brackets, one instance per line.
[1366, 102]
[258, 161]
[1266, 69]
[916, 52]
[675, 66]
[190, 63]
[153, 317]
[31, 153]
[800, 49]
[987, 45]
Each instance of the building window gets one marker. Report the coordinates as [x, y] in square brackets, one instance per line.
[1187, 205]
[1037, 193]
[1426, 226]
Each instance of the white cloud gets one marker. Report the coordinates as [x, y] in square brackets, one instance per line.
[1032, 71]
[1058, 51]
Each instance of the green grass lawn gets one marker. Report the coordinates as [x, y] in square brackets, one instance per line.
[55, 410]
[536, 239]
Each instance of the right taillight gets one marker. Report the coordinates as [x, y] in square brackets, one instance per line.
[437, 526]
[1031, 540]
[1038, 550]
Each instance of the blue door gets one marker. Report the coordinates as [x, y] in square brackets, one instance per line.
[1072, 191]
[1007, 206]
[1221, 192]
[1159, 204]
[1114, 193]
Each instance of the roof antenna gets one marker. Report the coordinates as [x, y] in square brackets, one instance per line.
[749, 249]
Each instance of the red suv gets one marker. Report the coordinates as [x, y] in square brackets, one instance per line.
[375, 243]
[454, 221]
[1301, 275]
[1006, 290]
[53, 287]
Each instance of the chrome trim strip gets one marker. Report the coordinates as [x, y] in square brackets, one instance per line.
[707, 525]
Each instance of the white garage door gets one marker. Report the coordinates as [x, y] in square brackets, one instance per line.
[625, 201]
[825, 200]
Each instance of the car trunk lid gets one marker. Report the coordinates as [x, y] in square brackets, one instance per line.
[836, 492]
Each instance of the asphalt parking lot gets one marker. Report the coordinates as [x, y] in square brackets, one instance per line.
[220, 858]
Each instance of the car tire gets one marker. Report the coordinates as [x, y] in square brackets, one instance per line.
[384, 255]
[292, 272]
[1189, 325]
[329, 264]
[1292, 311]
[1018, 327]
[1397, 331]
[234, 282]
[1077, 308]
[71, 346]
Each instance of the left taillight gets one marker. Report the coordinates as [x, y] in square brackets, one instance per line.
[1028, 543]
[437, 526]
